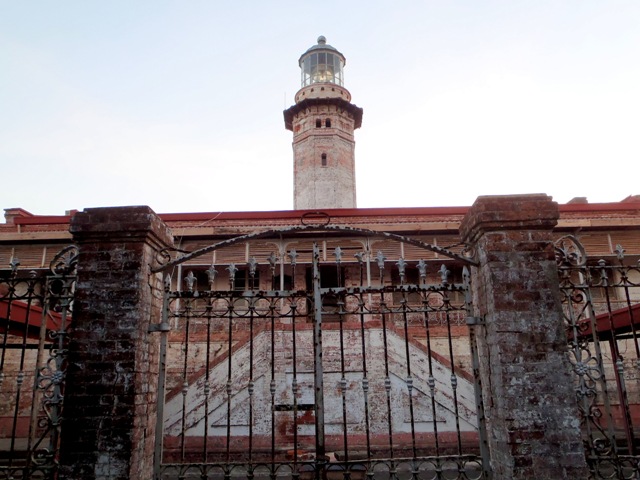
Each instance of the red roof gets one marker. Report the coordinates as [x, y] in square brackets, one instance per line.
[20, 313]
[619, 321]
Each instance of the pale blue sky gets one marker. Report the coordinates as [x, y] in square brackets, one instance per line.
[178, 105]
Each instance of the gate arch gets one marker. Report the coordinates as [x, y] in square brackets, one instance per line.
[166, 263]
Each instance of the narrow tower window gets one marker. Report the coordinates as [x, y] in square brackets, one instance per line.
[324, 159]
[318, 123]
[327, 123]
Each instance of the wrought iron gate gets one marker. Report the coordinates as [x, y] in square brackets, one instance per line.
[322, 360]
[35, 313]
[601, 300]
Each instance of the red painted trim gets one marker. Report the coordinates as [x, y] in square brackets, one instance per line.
[22, 313]
[332, 213]
[43, 220]
[622, 320]
[599, 207]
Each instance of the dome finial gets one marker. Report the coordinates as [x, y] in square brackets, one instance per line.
[322, 40]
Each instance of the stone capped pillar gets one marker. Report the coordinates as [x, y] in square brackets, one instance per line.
[109, 414]
[533, 423]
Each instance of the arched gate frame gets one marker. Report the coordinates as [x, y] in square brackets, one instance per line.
[322, 358]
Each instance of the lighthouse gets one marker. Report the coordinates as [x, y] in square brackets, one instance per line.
[323, 121]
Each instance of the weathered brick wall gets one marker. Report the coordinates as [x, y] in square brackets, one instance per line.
[532, 418]
[329, 185]
[111, 390]
[195, 397]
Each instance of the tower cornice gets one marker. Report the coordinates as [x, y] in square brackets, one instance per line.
[354, 110]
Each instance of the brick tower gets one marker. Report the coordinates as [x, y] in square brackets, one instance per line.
[323, 121]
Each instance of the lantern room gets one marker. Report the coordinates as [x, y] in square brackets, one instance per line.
[322, 63]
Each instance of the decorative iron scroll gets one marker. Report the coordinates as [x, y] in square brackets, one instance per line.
[65, 261]
[601, 301]
[570, 252]
[35, 315]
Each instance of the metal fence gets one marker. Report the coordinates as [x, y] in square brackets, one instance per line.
[312, 363]
[601, 299]
[35, 313]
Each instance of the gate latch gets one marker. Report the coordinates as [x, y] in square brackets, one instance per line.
[159, 327]
[475, 321]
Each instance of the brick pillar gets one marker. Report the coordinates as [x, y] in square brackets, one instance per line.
[532, 416]
[111, 387]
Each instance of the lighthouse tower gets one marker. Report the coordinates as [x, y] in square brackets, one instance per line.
[323, 121]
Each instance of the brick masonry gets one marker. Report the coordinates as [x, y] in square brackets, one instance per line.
[110, 398]
[324, 158]
[532, 418]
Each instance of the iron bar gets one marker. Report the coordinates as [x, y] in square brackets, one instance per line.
[409, 380]
[454, 378]
[250, 387]
[475, 365]
[343, 380]
[431, 382]
[365, 379]
[385, 342]
[618, 371]
[317, 363]
[34, 387]
[294, 387]
[207, 384]
[162, 379]
[38, 394]
[294, 382]
[272, 389]
[185, 377]
[230, 358]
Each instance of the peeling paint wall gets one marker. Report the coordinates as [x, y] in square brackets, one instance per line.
[191, 401]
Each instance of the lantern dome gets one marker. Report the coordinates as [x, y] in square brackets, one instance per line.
[322, 63]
